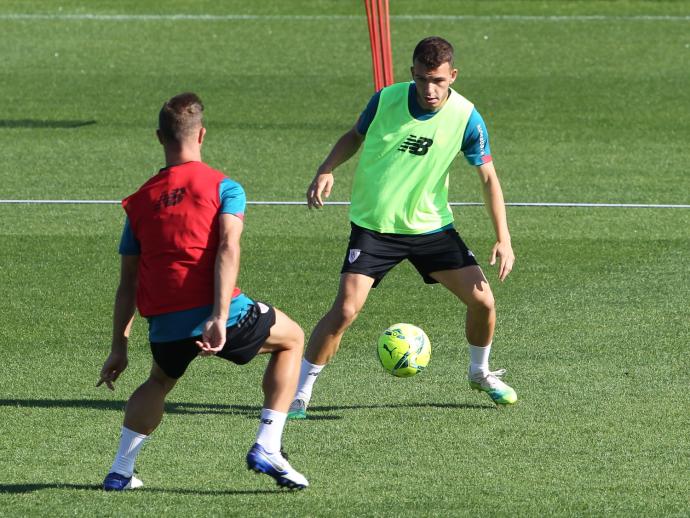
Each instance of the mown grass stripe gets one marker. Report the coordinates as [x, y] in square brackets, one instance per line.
[454, 204]
[335, 17]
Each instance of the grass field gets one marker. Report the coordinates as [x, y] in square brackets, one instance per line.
[585, 102]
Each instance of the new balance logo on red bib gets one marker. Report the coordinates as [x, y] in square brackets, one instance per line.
[174, 217]
[169, 198]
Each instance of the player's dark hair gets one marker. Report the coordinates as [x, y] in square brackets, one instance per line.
[181, 117]
[433, 51]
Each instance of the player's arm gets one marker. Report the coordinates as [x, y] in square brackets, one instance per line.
[226, 272]
[495, 205]
[475, 146]
[320, 187]
[344, 149]
[123, 316]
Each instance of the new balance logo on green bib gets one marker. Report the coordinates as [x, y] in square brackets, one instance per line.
[416, 145]
[401, 182]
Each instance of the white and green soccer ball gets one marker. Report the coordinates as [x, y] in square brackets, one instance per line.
[404, 350]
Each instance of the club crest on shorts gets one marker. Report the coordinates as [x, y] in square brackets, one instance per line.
[354, 254]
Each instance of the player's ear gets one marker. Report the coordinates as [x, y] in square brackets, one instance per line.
[453, 75]
[160, 137]
[202, 134]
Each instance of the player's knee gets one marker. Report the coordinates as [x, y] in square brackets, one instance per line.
[483, 301]
[296, 341]
[161, 381]
[292, 337]
[286, 335]
[344, 315]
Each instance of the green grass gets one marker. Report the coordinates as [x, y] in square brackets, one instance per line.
[593, 323]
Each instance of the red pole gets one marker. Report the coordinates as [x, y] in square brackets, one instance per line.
[386, 55]
[372, 21]
[379, 37]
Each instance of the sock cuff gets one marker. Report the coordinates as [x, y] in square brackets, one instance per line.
[132, 434]
[311, 367]
[269, 413]
[479, 359]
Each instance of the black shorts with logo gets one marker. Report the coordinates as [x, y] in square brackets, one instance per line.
[374, 254]
[242, 342]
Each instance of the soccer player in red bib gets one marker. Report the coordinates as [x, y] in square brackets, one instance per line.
[180, 257]
[410, 133]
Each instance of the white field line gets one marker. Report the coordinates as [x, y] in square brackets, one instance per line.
[333, 17]
[454, 204]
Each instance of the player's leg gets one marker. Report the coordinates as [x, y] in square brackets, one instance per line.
[143, 414]
[370, 255]
[325, 339]
[285, 344]
[443, 257]
[144, 409]
[470, 285]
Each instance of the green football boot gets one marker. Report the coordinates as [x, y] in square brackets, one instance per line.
[298, 409]
[499, 392]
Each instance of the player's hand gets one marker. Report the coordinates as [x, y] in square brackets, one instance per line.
[319, 188]
[114, 365]
[504, 251]
[213, 338]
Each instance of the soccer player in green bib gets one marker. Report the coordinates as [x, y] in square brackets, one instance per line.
[399, 210]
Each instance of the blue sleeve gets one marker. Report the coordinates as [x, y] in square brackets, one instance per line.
[368, 114]
[233, 200]
[128, 243]
[475, 142]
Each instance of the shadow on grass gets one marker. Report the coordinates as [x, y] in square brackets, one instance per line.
[40, 123]
[315, 412]
[30, 488]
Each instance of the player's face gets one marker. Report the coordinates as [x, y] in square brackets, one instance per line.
[433, 84]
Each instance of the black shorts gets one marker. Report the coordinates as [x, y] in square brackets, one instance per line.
[374, 254]
[242, 342]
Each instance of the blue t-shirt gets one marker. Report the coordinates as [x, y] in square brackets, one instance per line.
[190, 322]
[475, 141]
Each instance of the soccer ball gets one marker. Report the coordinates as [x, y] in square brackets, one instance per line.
[404, 350]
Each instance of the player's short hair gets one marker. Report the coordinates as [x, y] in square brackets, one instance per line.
[181, 117]
[433, 51]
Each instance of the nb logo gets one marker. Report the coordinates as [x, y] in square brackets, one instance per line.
[416, 145]
[170, 198]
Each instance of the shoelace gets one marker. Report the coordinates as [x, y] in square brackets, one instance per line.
[493, 378]
[499, 373]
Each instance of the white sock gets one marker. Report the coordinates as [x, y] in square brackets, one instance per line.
[130, 444]
[479, 360]
[270, 432]
[307, 377]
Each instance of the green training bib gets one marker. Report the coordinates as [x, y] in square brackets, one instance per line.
[401, 182]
